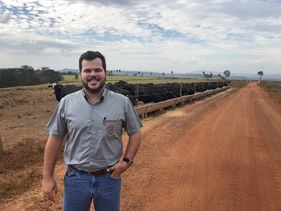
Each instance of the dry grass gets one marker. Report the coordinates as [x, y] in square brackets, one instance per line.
[238, 83]
[16, 174]
[24, 111]
[273, 89]
[21, 168]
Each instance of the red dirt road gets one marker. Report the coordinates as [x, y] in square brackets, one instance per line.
[222, 153]
[228, 160]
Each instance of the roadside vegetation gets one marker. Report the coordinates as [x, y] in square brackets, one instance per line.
[273, 89]
[238, 83]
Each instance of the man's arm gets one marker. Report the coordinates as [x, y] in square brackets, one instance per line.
[133, 146]
[131, 151]
[49, 185]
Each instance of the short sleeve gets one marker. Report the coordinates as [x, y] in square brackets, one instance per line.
[57, 127]
[133, 123]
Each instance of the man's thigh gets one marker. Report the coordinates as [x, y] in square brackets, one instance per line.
[77, 191]
[107, 193]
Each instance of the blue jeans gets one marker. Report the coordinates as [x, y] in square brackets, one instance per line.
[81, 188]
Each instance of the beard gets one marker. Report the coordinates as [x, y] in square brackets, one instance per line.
[94, 90]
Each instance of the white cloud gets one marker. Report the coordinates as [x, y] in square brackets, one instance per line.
[5, 18]
[144, 35]
[51, 50]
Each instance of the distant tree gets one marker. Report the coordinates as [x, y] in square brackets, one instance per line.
[207, 76]
[260, 73]
[76, 76]
[7, 77]
[172, 72]
[26, 75]
[226, 73]
[46, 75]
[222, 77]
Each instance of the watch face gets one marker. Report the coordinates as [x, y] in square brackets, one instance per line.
[128, 161]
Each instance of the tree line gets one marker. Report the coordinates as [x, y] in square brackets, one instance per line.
[27, 75]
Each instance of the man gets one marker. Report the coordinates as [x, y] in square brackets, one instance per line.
[92, 120]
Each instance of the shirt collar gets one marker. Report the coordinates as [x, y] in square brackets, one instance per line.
[105, 91]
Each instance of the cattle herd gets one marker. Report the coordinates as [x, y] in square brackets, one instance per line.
[147, 93]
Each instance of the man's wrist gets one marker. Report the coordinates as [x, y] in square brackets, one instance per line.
[128, 161]
[48, 176]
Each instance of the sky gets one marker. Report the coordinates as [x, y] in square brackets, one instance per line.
[183, 36]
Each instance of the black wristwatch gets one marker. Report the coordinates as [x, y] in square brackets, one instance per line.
[128, 161]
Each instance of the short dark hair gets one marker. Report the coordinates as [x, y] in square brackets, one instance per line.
[90, 55]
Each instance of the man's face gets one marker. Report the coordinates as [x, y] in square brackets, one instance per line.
[92, 75]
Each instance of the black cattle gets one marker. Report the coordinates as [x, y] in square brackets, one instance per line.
[68, 89]
[121, 90]
[188, 89]
[62, 90]
[115, 88]
[146, 92]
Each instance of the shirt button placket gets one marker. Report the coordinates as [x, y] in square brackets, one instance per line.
[93, 131]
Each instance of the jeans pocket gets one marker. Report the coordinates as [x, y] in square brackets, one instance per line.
[118, 178]
[71, 173]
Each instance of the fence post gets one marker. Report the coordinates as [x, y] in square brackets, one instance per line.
[194, 87]
[181, 89]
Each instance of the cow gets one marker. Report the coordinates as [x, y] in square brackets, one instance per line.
[62, 90]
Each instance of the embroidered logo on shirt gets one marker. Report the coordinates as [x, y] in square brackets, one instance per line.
[110, 128]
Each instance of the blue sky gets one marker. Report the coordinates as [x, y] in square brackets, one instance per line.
[243, 36]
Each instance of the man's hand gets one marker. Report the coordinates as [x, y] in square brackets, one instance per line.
[49, 188]
[118, 169]
[49, 185]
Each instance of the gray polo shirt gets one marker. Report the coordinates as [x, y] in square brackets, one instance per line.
[93, 131]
